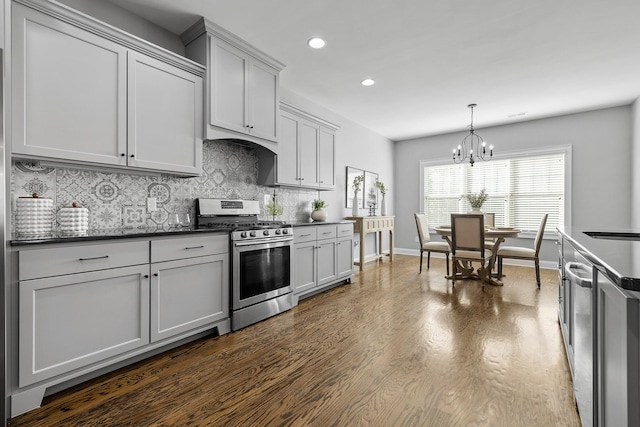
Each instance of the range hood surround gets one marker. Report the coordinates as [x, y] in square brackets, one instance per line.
[267, 158]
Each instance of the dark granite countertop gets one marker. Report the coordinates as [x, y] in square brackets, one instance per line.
[93, 235]
[618, 259]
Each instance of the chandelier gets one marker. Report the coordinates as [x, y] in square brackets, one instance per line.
[473, 147]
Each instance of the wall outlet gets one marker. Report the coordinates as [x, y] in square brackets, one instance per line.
[151, 204]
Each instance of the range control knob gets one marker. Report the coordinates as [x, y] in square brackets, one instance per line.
[243, 234]
[285, 231]
[278, 231]
[253, 234]
[265, 232]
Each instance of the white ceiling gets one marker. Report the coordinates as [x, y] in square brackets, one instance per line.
[430, 58]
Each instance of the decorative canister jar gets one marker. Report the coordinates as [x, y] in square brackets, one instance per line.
[73, 219]
[34, 215]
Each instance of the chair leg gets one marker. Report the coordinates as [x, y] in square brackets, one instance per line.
[428, 260]
[537, 272]
[447, 256]
[421, 252]
[499, 267]
[455, 271]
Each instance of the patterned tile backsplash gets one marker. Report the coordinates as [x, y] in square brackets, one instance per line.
[119, 200]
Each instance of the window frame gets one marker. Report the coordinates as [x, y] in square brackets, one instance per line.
[508, 155]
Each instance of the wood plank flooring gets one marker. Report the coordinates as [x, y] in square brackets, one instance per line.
[394, 348]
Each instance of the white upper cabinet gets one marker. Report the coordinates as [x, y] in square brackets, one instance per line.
[83, 94]
[164, 116]
[242, 85]
[69, 91]
[306, 152]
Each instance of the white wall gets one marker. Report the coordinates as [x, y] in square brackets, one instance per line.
[601, 170]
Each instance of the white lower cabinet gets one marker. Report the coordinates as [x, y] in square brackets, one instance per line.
[67, 322]
[321, 256]
[83, 307]
[191, 292]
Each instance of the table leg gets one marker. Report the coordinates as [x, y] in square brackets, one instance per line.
[362, 238]
[391, 245]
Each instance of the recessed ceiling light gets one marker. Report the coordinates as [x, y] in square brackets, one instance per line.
[316, 43]
[514, 115]
[368, 82]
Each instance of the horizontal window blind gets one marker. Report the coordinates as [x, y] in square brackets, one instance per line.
[521, 190]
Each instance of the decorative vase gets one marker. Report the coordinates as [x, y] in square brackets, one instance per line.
[74, 220]
[476, 211]
[34, 215]
[354, 208]
[383, 207]
[319, 215]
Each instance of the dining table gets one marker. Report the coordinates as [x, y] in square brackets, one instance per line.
[466, 269]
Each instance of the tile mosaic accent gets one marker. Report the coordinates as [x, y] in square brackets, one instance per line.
[118, 200]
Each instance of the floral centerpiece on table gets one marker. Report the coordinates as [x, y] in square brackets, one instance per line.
[477, 200]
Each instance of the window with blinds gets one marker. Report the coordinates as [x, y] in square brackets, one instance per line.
[521, 190]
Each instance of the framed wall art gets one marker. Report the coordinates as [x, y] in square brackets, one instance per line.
[351, 174]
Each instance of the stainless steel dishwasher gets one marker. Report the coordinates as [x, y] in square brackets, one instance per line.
[579, 272]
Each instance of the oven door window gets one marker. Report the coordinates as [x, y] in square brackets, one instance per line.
[264, 270]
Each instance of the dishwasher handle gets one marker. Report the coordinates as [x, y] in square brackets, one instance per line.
[580, 281]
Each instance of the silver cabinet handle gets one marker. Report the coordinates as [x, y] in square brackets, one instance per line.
[195, 247]
[97, 257]
[580, 281]
[304, 235]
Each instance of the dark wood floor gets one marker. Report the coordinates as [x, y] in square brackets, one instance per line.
[395, 348]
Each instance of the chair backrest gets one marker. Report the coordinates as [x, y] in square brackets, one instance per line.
[467, 232]
[423, 228]
[489, 219]
[538, 242]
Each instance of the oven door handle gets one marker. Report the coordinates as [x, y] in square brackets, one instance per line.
[262, 241]
[580, 281]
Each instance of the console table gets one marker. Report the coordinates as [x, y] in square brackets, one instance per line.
[372, 224]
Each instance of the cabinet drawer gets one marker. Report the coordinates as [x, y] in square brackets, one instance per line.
[188, 247]
[57, 261]
[345, 230]
[306, 233]
[326, 232]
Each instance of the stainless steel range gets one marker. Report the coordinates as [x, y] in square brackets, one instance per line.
[261, 258]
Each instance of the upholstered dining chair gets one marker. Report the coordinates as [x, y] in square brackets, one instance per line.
[516, 252]
[467, 243]
[426, 244]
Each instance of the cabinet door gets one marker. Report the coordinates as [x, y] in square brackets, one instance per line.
[327, 261]
[345, 256]
[288, 155]
[309, 153]
[69, 322]
[618, 355]
[264, 98]
[188, 294]
[165, 116]
[228, 90]
[304, 266]
[326, 163]
[69, 91]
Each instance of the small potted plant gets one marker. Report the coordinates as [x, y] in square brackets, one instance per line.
[318, 213]
[274, 209]
[477, 200]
